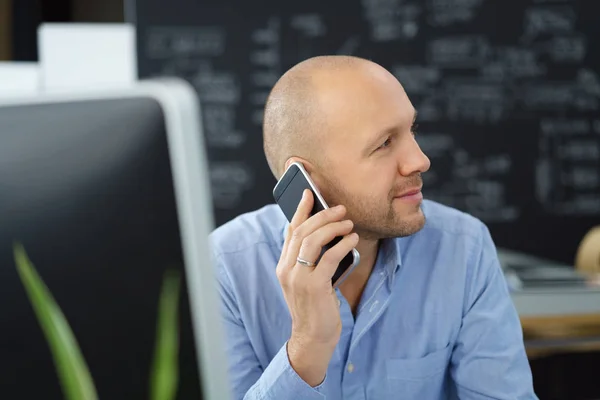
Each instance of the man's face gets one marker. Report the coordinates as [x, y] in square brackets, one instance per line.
[372, 164]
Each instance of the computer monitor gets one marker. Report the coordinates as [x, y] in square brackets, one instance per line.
[106, 191]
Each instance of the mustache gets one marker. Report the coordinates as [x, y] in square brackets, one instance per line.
[410, 182]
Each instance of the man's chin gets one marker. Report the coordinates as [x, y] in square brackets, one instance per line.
[403, 225]
[414, 222]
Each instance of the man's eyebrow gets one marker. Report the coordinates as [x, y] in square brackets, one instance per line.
[384, 133]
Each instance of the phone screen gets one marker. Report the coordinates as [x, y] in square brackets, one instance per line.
[289, 197]
[288, 193]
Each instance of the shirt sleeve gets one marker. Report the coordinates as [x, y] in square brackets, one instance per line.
[489, 359]
[278, 381]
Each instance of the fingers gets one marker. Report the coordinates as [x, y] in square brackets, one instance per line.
[302, 213]
[309, 226]
[306, 236]
[312, 244]
[303, 210]
[332, 257]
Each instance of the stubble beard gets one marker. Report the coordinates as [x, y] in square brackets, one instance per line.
[372, 224]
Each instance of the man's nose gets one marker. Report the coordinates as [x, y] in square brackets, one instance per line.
[413, 160]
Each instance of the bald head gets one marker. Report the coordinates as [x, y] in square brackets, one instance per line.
[294, 117]
[351, 123]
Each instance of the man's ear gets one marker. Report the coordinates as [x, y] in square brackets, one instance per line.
[306, 164]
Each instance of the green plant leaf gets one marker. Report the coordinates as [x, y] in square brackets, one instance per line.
[73, 373]
[164, 377]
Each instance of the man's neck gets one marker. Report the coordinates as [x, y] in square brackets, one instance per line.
[367, 248]
[354, 285]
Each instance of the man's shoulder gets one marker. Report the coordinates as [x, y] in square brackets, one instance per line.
[445, 219]
[461, 238]
[264, 225]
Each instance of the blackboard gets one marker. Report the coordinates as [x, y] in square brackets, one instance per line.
[508, 95]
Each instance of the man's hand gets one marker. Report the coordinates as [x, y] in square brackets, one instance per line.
[316, 323]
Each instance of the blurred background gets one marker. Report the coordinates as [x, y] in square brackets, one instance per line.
[508, 96]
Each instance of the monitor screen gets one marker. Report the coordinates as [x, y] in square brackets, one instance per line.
[87, 188]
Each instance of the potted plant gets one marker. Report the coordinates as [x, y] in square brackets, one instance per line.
[75, 378]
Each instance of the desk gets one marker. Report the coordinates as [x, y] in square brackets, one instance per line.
[560, 319]
[561, 331]
[561, 334]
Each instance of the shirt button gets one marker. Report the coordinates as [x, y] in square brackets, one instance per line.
[339, 303]
[350, 367]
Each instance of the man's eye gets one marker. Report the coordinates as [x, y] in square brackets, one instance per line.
[385, 144]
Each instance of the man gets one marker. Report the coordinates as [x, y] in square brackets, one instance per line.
[425, 315]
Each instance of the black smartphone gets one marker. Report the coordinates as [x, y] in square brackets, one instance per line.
[288, 193]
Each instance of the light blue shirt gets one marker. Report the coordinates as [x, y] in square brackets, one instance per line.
[435, 320]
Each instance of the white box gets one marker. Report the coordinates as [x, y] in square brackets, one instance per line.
[86, 56]
[19, 78]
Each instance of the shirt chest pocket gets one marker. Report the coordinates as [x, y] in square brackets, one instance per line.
[418, 378]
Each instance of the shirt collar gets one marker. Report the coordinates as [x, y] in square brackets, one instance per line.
[389, 258]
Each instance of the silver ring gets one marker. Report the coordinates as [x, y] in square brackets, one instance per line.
[304, 262]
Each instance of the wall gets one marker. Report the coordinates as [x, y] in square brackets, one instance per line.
[508, 111]
[97, 11]
[5, 30]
